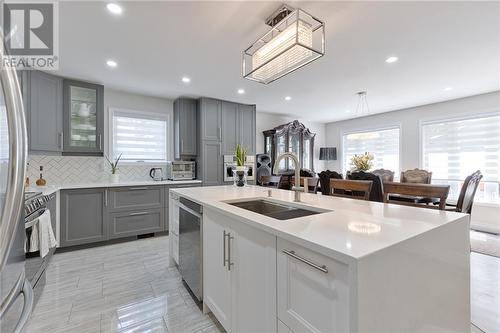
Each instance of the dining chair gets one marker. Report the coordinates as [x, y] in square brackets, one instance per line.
[467, 193]
[269, 180]
[416, 176]
[324, 180]
[413, 190]
[312, 183]
[386, 175]
[377, 191]
[354, 189]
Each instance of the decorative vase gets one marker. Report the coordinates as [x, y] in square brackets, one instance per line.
[240, 176]
[114, 177]
[84, 110]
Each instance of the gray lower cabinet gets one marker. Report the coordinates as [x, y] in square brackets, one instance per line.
[135, 198]
[83, 216]
[44, 111]
[132, 223]
[185, 129]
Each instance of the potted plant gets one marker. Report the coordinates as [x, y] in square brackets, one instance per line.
[115, 177]
[240, 173]
[362, 162]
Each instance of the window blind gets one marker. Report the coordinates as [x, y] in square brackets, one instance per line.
[454, 149]
[382, 144]
[139, 137]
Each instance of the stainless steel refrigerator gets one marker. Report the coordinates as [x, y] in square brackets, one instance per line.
[16, 294]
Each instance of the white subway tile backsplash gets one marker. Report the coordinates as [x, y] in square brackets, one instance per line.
[76, 169]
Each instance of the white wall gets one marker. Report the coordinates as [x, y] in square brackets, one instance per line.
[409, 121]
[130, 101]
[267, 121]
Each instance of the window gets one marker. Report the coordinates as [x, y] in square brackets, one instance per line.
[138, 136]
[383, 144]
[453, 149]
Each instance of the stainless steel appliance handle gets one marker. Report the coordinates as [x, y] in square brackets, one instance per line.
[229, 263]
[224, 234]
[137, 188]
[18, 150]
[189, 210]
[292, 254]
[138, 214]
[27, 308]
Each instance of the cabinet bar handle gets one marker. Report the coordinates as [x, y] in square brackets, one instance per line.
[100, 142]
[224, 248]
[105, 198]
[61, 137]
[229, 263]
[292, 254]
[137, 188]
[138, 214]
[182, 146]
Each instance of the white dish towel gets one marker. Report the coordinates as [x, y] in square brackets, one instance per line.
[44, 239]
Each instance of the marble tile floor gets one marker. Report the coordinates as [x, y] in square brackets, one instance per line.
[124, 287]
[128, 287]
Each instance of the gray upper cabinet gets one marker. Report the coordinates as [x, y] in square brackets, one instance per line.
[247, 135]
[185, 129]
[82, 217]
[230, 127]
[211, 162]
[83, 115]
[44, 102]
[210, 119]
[222, 126]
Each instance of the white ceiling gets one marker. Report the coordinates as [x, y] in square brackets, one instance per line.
[439, 44]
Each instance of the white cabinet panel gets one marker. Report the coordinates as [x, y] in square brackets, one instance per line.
[253, 280]
[173, 227]
[216, 276]
[309, 299]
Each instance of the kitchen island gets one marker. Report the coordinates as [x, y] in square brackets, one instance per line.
[352, 266]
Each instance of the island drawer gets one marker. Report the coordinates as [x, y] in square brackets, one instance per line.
[135, 197]
[132, 223]
[313, 290]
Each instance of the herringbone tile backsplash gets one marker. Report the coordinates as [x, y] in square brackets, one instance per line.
[79, 169]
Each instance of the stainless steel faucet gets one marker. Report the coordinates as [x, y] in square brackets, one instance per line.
[295, 160]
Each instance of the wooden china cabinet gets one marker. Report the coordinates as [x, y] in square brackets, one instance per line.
[293, 137]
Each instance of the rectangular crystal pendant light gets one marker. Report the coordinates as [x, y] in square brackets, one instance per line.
[295, 41]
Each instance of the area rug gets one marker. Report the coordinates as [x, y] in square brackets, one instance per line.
[485, 243]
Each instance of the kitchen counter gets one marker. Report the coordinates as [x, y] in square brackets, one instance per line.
[49, 189]
[351, 229]
[358, 267]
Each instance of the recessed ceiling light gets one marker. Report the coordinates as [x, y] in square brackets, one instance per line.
[390, 60]
[185, 79]
[241, 91]
[114, 8]
[287, 98]
[111, 63]
[448, 89]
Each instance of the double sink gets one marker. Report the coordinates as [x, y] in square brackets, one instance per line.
[280, 210]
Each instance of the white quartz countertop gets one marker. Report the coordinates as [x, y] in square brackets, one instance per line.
[49, 189]
[351, 230]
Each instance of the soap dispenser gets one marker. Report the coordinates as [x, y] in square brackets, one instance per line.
[40, 181]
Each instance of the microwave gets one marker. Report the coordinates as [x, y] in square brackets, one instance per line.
[181, 170]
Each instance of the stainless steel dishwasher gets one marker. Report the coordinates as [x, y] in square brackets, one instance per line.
[190, 249]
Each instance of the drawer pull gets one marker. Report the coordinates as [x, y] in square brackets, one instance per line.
[292, 254]
[137, 188]
[138, 214]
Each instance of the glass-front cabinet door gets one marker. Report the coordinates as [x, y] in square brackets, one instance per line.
[83, 117]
